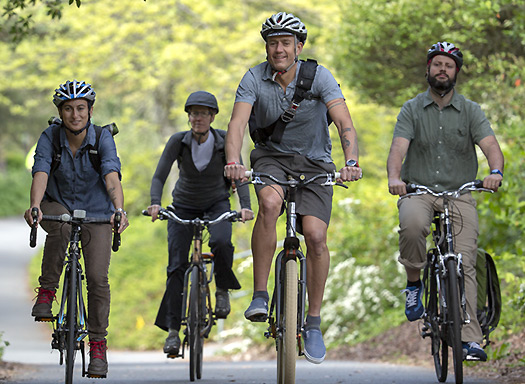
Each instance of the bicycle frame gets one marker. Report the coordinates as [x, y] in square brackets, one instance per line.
[72, 312]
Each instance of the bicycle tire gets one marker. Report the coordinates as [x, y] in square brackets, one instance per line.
[202, 324]
[193, 321]
[439, 346]
[71, 325]
[287, 341]
[454, 319]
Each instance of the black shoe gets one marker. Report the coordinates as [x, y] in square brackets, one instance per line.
[44, 303]
[222, 303]
[172, 343]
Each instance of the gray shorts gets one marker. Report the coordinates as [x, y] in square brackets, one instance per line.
[312, 200]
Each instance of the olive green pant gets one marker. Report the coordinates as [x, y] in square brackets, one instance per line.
[415, 218]
[96, 250]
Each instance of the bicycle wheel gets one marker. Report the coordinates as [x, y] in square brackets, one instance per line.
[195, 343]
[202, 324]
[71, 317]
[287, 338]
[439, 347]
[454, 319]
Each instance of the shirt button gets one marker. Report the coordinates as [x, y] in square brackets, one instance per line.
[439, 157]
[440, 127]
[437, 172]
[439, 142]
[436, 186]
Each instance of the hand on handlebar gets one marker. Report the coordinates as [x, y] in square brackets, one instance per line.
[124, 223]
[153, 211]
[30, 218]
[350, 174]
[397, 187]
[492, 182]
[246, 214]
[235, 171]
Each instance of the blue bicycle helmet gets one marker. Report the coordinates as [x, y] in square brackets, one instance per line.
[74, 90]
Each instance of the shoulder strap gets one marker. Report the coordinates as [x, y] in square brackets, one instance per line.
[93, 154]
[57, 153]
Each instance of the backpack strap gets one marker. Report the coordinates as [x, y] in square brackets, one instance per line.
[57, 153]
[275, 131]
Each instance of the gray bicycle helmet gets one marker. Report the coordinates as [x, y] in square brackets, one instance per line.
[74, 90]
[203, 98]
[447, 49]
[283, 23]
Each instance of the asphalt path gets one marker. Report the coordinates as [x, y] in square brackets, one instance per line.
[29, 342]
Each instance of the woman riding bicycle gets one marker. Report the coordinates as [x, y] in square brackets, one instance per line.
[201, 190]
[74, 183]
[435, 134]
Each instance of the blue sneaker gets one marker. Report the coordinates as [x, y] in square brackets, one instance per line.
[414, 305]
[314, 349]
[472, 351]
[257, 312]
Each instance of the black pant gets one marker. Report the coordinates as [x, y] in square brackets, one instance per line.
[179, 243]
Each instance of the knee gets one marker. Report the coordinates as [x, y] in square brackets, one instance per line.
[316, 242]
[270, 207]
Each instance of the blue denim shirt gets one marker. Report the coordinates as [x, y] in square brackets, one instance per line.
[75, 183]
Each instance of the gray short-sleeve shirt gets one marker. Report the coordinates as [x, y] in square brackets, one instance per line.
[308, 133]
[442, 153]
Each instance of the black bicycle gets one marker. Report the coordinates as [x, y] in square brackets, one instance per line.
[69, 326]
[197, 312]
[444, 300]
[287, 308]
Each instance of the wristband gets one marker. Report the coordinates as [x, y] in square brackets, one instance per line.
[496, 172]
[232, 163]
[121, 211]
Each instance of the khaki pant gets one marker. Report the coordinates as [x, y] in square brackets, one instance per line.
[96, 246]
[415, 218]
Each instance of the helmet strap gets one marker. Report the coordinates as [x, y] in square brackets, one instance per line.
[76, 133]
[277, 73]
[199, 135]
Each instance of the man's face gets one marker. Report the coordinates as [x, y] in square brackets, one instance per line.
[442, 72]
[75, 113]
[200, 118]
[282, 51]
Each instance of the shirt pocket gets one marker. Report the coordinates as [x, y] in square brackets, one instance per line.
[458, 138]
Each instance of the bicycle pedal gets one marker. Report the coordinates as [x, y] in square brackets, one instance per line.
[471, 358]
[172, 356]
[44, 319]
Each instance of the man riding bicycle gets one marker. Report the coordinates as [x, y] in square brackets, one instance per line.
[268, 89]
[74, 183]
[201, 190]
[435, 134]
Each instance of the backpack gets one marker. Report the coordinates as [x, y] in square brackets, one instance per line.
[94, 156]
[489, 294]
[275, 131]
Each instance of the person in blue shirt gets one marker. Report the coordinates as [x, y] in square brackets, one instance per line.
[76, 184]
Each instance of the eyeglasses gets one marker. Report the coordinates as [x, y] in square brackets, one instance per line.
[199, 113]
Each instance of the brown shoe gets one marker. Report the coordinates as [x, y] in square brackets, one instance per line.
[44, 303]
[98, 361]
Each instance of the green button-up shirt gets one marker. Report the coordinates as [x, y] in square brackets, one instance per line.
[441, 154]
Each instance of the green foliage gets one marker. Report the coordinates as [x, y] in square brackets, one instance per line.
[3, 344]
[14, 189]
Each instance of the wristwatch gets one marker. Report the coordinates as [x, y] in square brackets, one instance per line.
[352, 163]
[496, 172]
[121, 211]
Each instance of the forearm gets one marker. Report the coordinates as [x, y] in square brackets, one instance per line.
[114, 189]
[38, 188]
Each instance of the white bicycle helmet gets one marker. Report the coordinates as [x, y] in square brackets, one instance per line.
[447, 49]
[74, 90]
[283, 23]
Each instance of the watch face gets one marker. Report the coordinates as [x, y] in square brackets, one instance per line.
[351, 163]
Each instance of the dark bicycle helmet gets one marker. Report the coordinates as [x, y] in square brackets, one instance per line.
[74, 90]
[447, 49]
[283, 23]
[203, 98]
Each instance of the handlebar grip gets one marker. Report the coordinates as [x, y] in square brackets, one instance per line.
[478, 183]
[337, 175]
[248, 174]
[411, 188]
[116, 234]
[145, 212]
[32, 235]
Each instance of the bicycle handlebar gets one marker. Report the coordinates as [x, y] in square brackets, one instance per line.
[169, 214]
[78, 217]
[416, 189]
[330, 179]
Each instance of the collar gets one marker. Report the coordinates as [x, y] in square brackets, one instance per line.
[219, 141]
[455, 102]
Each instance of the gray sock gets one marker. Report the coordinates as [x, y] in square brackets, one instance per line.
[261, 294]
[313, 322]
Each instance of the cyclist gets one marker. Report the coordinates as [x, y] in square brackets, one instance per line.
[201, 190]
[435, 134]
[76, 184]
[267, 90]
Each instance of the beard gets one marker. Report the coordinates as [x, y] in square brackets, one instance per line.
[441, 87]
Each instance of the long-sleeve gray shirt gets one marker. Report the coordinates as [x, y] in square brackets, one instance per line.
[194, 188]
